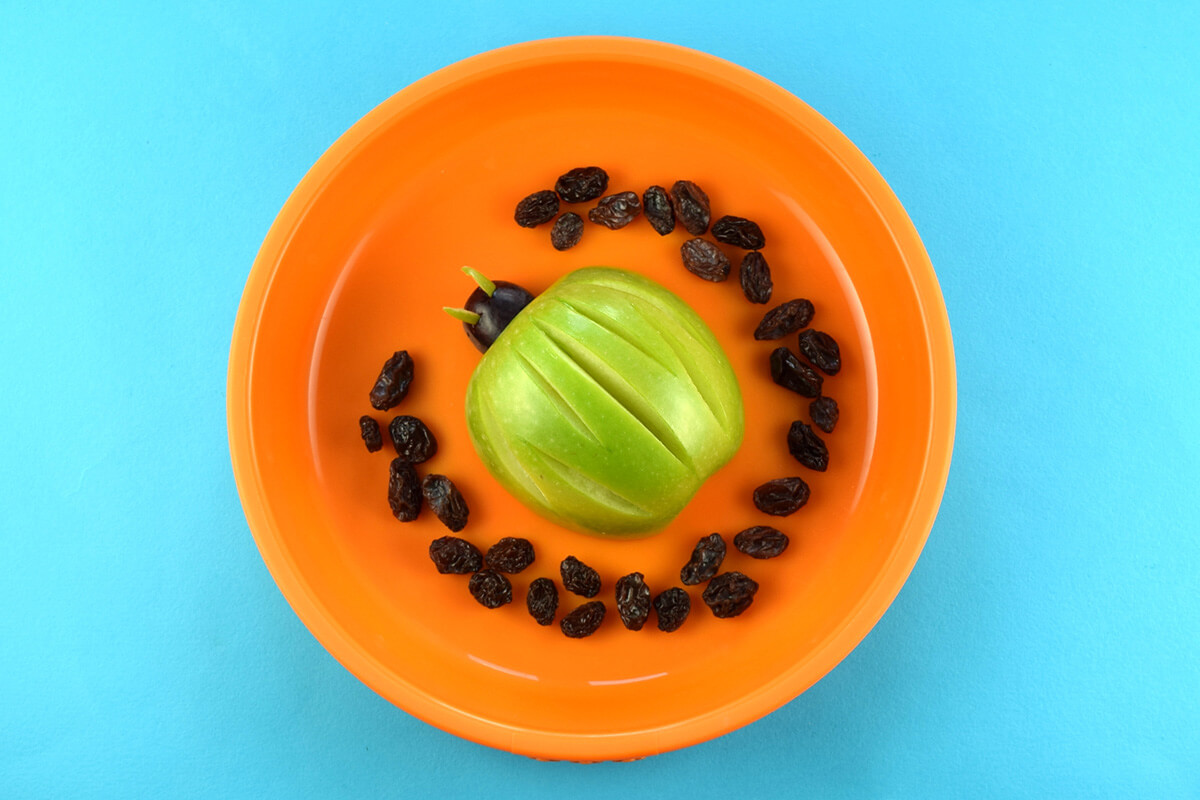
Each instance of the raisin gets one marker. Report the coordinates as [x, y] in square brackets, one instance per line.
[755, 275]
[616, 210]
[691, 207]
[824, 413]
[706, 559]
[705, 259]
[392, 384]
[729, 594]
[783, 319]
[579, 578]
[791, 373]
[807, 448]
[567, 231]
[537, 208]
[761, 541]
[369, 429]
[404, 490]
[657, 206]
[672, 608]
[446, 501]
[584, 620]
[739, 232]
[781, 497]
[581, 184]
[490, 588]
[454, 556]
[822, 350]
[542, 600]
[413, 441]
[633, 600]
[510, 555]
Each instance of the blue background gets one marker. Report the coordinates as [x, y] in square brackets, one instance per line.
[1046, 643]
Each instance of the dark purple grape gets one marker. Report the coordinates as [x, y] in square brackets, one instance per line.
[581, 184]
[490, 588]
[454, 556]
[657, 206]
[807, 448]
[691, 207]
[404, 490]
[755, 276]
[583, 621]
[392, 384]
[739, 232]
[633, 600]
[414, 442]
[783, 319]
[536, 209]
[369, 428]
[781, 497]
[791, 373]
[761, 541]
[579, 578]
[706, 559]
[510, 554]
[672, 608]
[822, 350]
[567, 231]
[824, 413]
[542, 600]
[446, 501]
[729, 594]
[495, 312]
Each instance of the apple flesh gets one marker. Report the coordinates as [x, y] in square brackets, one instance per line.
[605, 404]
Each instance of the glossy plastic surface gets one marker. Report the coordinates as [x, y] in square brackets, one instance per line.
[367, 251]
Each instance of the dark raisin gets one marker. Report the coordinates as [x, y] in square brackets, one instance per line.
[446, 501]
[729, 594]
[657, 206]
[739, 232]
[579, 578]
[369, 429]
[672, 608]
[615, 211]
[633, 600]
[404, 490]
[454, 556]
[781, 497]
[783, 319]
[706, 559]
[536, 209]
[413, 441]
[824, 413]
[822, 350]
[755, 275]
[392, 384]
[510, 555]
[705, 259]
[691, 207]
[567, 231]
[490, 588]
[581, 184]
[761, 541]
[791, 373]
[584, 620]
[807, 448]
[542, 600]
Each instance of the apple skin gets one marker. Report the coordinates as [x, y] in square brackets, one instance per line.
[605, 404]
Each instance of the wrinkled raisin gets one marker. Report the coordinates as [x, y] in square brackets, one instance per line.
[807, 448]
[542, 600]
[567, 231]
[579, 578]
[672, 608]
[581, 184]
[490, 588]
[615, 211]
[510, 555]
[791, 373]
[761, 541]
[783, 319]
[537, 208]
[404, 490]
[392, 384]
[706, 559]
[739, 232]
[413, 441]
[824, 413]
[584, 620]
[657, 206]
[729, 594]
[755, 275]
[705, 259]
[781, 497]
[369, 429]
[822, 350]
[446, 501]
[691, 207]
[633, 600]
[454, 556]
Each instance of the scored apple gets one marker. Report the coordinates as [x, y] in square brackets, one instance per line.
[603, 403]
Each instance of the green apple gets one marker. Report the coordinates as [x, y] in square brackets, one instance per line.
[605, 404]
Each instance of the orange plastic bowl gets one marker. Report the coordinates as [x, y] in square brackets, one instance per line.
[361, 260]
